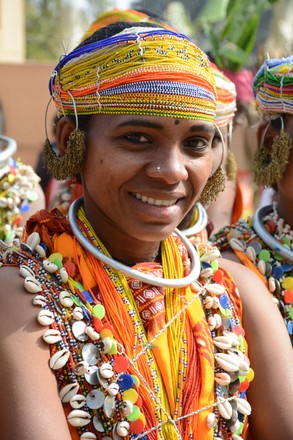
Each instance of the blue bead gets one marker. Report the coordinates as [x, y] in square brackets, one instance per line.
[125, 381]
[290, 327]
[88, 296]
[205, 265]
[286, 267]
[224, 301]
[277, 272]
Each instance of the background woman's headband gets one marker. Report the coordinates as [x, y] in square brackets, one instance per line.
[145, 71]
[226, 98]
[273, 86]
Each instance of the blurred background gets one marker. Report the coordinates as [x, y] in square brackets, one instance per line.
[35, 33]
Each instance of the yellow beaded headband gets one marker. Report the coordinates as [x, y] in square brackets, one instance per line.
[145, 71]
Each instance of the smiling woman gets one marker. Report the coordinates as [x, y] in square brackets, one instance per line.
[145, 332]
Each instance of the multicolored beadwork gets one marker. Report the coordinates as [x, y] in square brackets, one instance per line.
[274, 267]
[92, 369]
[140, 71]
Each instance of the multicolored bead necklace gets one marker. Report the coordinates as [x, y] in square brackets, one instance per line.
[267, 242]
[102, 384]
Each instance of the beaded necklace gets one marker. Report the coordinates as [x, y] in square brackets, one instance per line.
[95, 373]
[17, 191]
[266, 241]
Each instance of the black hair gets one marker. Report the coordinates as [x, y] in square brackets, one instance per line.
[113, 29]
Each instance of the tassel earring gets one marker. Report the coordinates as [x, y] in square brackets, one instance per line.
[269, 163]
[69, 165]
[214, 186]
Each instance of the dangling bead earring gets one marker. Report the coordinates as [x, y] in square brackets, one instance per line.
[231, 164]
[216, 182]
[68, 165]
[269, 164]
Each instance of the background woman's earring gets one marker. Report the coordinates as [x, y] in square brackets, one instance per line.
[231, 166]
[269, 164]
[214, 186]
[67, 166]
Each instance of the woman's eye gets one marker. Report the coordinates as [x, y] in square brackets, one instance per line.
[136, 138]
[197, 144]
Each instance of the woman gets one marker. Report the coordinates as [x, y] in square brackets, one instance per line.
[263, 243]
[20, 192]
[145, 341]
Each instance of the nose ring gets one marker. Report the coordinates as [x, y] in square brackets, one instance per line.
[158, 168]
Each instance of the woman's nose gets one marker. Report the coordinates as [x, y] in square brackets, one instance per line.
[170, 167]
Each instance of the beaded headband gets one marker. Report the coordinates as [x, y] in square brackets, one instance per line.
[273, 86]
[144, 71]
[226, 98]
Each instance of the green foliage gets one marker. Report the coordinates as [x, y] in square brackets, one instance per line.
[231, 28]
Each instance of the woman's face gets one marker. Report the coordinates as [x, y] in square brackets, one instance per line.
[126, 194]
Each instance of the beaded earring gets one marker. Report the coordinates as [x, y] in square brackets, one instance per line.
[231, 164]
[67, 166]
[269, 164]
[216, 182]
[214, 186]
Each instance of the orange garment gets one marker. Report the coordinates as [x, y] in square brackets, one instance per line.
[191, 353]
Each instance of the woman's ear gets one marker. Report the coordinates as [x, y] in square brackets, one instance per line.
[64, 127]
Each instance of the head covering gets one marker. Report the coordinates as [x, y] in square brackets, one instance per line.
[273, 86]
[226, 98]
[243, 82]
[126, 15]
[144, 71]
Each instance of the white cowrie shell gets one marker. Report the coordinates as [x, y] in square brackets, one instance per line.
[261, 265]
[68, 391]
[211, 322]
[92, 334]
[51, 336]
[196, 286]
[210, 255]
[122, 428]
[81, 368]
[211, 420]
[234, 338]
[113, 389]
[243, 368]
[236, 437]
[215, 289]
[223, 342]
[225, 408]
[33, 240]
[208, 302]
[63, 274]
[227, 362]
[126, 407]
[78, 418]
[65, 299]
[223, 378]
[77, 314]
[77, 401]
[31, 285]
[250, 252]
[216, 303]
[26, 271]
[45, 317]
[59, 359]
[272, 284]
[41, 251]
[218, 320]
[39, 300]
[49, 266]
[88, 436]
[207, 272]
[107, 345]
[243, 406]
[237, 245]
[234, 428]
[106, 370]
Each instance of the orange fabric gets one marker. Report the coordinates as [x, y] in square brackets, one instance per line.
[191, 330]
[238, 204]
